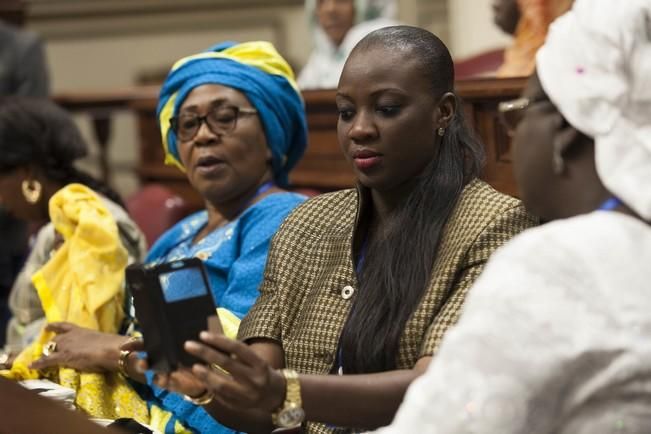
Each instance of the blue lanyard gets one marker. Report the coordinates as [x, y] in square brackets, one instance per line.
[609, 204]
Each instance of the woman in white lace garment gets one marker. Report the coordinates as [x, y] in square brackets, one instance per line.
[556, 333]
[338, 25]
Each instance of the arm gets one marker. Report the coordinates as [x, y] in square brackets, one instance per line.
[27, 316]
[246, 399]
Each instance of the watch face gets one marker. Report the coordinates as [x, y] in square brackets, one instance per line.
[291, 417]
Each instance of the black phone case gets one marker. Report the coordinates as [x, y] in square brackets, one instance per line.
[167, 325]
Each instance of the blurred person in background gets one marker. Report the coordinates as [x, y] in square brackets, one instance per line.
[527, 21]
[23, 71]
[337, 26]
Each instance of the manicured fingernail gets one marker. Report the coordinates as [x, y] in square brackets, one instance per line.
[204, 335]
[191, 345]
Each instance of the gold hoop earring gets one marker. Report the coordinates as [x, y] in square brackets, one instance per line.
[441, 132]
[32, 190]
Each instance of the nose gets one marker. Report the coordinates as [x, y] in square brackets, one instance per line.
[363, 127]
[205, 135]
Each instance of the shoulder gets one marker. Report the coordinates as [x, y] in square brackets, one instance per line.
[275, 203]
[263, 218]
[478, 197]
[597, 234]
[323, 211]
[481, 208]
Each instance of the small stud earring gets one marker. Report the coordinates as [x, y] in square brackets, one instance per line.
[32, 191]
[441, 131]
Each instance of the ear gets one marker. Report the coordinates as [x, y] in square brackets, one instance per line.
[565, 139]
[447, 108]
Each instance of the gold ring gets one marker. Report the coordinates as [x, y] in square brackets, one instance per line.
[204, 399]
[49, 348]
[219, 370]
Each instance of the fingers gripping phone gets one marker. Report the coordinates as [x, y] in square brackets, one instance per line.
[172, 303]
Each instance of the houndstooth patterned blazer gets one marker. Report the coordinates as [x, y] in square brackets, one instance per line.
[305, 296]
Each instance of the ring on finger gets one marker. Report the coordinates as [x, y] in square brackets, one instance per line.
[49, 348]
[218, 369]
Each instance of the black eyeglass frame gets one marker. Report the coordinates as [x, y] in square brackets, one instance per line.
[216, 129]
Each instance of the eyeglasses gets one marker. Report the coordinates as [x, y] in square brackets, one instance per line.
[221, 120]
[512, 112]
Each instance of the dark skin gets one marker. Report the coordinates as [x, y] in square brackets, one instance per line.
[547, 191]
[506, 15]
[389, 109]
[227, 187]
[13, 200]
[336, 18]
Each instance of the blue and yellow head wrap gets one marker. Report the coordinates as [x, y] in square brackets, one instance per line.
[258, 71]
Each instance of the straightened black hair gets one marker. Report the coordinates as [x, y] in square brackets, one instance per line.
[36, 132]
[398, 264]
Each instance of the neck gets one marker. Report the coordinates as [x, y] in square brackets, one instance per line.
[226, 211]
[586, 202]
[50, 188]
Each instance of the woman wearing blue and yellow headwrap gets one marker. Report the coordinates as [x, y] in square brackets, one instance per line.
[232, 119]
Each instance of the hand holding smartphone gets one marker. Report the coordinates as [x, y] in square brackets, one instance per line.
[173, 304]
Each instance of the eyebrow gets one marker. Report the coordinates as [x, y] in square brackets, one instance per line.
[211, 104]
[374, 93]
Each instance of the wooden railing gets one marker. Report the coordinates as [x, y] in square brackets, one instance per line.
[323, 166]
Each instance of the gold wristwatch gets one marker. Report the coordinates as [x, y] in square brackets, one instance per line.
[291, 414]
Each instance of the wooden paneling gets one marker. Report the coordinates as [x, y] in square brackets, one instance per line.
[13, 12]
[323, 166]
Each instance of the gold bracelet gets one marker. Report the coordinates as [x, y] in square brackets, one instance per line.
[204, 399]
[122, 362]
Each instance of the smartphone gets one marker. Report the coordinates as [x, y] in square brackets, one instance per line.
[173, 302]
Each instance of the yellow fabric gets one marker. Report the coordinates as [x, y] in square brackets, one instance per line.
[258, 54]
[83, 284]
[530, 34]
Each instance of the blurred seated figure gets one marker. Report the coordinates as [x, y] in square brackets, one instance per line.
[527, 21]
[75, 271]
[23, 71]
[554, 337]
[39, 144]
[338, 25]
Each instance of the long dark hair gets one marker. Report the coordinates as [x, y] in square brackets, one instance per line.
[39, 133]
[398, 263]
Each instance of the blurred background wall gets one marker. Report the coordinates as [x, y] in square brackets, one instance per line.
[110, 44]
